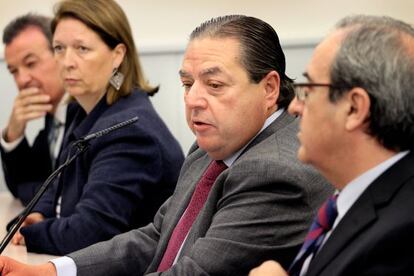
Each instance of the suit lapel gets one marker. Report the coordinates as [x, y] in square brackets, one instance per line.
[197, 162]
[194, 166]
[282, 121]
[203, 221]
[363, 212]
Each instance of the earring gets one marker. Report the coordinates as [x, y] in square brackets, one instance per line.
[116, 79]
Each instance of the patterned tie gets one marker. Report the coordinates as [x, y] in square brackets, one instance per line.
[52, 137]
[197, 201]
[322, 223]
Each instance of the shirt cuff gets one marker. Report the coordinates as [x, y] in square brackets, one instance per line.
[65, 266]
[8, 147]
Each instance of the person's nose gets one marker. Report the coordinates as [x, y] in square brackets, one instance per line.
[23, 78]
[67, 58]
[195, 97]
[295, 107]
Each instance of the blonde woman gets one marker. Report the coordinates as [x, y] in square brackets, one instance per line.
[120, 182]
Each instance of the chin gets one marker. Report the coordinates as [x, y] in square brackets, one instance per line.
[212, 150]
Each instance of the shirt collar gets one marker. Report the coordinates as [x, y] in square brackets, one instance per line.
[60, 113]
[229, 161]
[356, 187]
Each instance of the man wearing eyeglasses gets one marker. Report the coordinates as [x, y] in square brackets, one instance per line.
[357, 130]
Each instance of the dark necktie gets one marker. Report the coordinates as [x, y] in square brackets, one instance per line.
[197, 201]
[52, 137]
[322, 223]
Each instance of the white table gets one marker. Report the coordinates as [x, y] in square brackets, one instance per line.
[9, 208]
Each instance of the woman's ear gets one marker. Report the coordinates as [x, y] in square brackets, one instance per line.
[359, 104]
[119, 53]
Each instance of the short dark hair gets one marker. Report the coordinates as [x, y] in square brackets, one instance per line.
[375, 55]
[261, 52]
[21, 23]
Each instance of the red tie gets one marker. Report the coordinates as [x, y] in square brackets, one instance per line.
[321, 225]
[197, 201]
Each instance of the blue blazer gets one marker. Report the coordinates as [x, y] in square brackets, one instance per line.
[27, 167]
[116, 185]
[375, 236]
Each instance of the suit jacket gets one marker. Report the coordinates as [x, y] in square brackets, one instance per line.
[375, 237]
[260, 208]
[116, 185]
[27, 167]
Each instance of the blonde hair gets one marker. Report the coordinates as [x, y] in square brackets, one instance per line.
[107, 19]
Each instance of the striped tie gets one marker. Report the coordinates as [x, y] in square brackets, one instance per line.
[54, 130]
[322, 223]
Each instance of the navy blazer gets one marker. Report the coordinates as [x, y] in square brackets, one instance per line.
[375, 236]
[116, 185]
[27, 167]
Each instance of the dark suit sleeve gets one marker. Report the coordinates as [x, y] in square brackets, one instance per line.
[125, 254]
[25, 167]
[121, 166]
[258, 218]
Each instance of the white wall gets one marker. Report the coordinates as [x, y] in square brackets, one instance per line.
[161, 29]
[165, 23]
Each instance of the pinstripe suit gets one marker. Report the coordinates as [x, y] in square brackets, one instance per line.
[260, 208]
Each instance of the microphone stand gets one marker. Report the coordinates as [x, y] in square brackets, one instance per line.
[81, 147]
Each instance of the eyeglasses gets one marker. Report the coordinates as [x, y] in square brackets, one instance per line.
[301, 89]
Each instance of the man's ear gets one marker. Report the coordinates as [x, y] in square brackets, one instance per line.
[359, 104]
[271, 84]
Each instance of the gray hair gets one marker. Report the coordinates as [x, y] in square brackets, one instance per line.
[261, 52]
[375, 56]
[21, 23]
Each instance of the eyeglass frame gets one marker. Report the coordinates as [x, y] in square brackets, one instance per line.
[301, 96]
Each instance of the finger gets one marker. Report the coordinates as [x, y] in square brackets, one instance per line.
[32, 115]
[16, 238]
[33, 99]
[22, 112]
[22, 241]
[253, 272]
[34, 218]
[29, 91]
[34, 108]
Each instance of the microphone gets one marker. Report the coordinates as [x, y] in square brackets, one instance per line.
[85, 139]
[81, 145]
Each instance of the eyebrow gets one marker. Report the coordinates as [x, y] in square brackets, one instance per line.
[206, 72]
[184, 74]
[210, 71]
[306, 75]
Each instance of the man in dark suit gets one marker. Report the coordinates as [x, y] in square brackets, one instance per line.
[29, 58]
[260, 202]
[357, 129]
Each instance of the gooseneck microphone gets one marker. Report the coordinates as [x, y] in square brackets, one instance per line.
[80, 146]
[106, 130]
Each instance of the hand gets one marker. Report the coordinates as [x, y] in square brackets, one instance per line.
[268, 268]
[29, 104]
[10, 267]
[33, 218]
